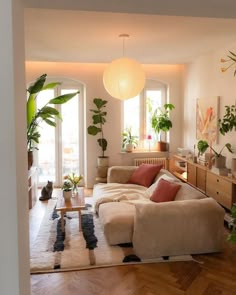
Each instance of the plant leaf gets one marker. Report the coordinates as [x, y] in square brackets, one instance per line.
[38, 85]
[93, 130]
[62, 98]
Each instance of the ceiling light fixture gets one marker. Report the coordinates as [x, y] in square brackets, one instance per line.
[124, 78]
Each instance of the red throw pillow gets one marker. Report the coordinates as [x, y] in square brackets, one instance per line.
[165, 191]
[145, 174]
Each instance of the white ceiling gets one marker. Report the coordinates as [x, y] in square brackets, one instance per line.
[74, 35]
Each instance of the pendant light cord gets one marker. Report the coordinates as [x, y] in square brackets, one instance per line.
[124, 36]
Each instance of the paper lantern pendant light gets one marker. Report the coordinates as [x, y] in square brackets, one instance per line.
[124, 77]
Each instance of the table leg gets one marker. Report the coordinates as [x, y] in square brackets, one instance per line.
[80, 220]
[62, 221]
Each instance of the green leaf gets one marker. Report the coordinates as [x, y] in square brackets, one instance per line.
[51, 85]
[229, 147]
[49, 110]
[31, 108]
[93, 130]
[49, 122]
[99, 102]
[38, 85]
[102, 143]
[63, 98]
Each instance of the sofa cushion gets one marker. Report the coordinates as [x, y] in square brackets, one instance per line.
[145, 174]
[165, 191]
[187, 192]
[117, 219]
[167, 177]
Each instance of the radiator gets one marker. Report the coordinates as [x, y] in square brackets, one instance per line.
[162, 161]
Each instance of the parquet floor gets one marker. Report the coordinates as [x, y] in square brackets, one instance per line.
[215, 275]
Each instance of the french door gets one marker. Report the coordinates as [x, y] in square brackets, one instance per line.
[60, 148]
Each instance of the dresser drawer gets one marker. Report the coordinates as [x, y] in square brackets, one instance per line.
[219, 189]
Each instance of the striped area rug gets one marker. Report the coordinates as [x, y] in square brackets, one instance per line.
[54, 251]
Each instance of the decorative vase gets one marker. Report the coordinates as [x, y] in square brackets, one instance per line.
[74, 190]
[103, 161]
[67, 195]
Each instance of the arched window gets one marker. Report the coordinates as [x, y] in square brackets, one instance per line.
[137, 111]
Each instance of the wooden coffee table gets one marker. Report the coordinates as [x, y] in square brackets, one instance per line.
[76, 203]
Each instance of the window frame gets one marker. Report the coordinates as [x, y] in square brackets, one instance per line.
[150, 86]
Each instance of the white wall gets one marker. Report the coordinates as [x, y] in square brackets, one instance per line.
[204, 78]
[91, 76]
[14, 246]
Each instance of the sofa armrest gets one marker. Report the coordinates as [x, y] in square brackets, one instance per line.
[178, 228]
[119, 174]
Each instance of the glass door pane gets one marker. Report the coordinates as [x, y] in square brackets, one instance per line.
[70, 134]
[46, 146]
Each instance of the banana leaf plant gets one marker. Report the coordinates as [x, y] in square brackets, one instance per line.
[99, 119]
[47, 113]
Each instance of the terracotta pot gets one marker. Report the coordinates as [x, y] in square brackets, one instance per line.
[162, 146]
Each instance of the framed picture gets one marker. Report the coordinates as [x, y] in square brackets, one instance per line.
[207, 114]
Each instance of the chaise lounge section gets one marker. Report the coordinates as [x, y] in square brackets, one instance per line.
[191, 224]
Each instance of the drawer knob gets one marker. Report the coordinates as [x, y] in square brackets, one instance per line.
[217, 193]
[217, 180]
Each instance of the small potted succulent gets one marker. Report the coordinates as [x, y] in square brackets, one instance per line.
[219, 159]
[67, 189]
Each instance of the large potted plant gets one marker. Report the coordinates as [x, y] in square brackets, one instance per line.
[219, 158]
[99, 119]
[161, 122]
[47, 113]
[129, 141]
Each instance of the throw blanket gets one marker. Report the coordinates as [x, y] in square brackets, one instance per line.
[116, 192]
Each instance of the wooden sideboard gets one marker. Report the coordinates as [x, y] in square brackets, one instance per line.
[221, 188]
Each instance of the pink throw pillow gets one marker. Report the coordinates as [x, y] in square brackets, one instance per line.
[165, 191]
[145, 174]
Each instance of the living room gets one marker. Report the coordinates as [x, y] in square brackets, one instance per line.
[200, 78]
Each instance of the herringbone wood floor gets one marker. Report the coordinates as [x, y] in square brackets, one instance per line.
[215, 275]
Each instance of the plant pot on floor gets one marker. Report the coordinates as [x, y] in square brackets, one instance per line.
[30, 159]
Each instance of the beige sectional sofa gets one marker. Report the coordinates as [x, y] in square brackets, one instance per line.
[190, 224]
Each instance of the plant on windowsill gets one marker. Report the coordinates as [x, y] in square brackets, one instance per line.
[219, 158]
[129, 141]
[161, 122]
[46, 114]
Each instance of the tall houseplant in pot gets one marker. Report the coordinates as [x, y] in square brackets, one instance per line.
[48, 113]
[161, 122]
[99, 119]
